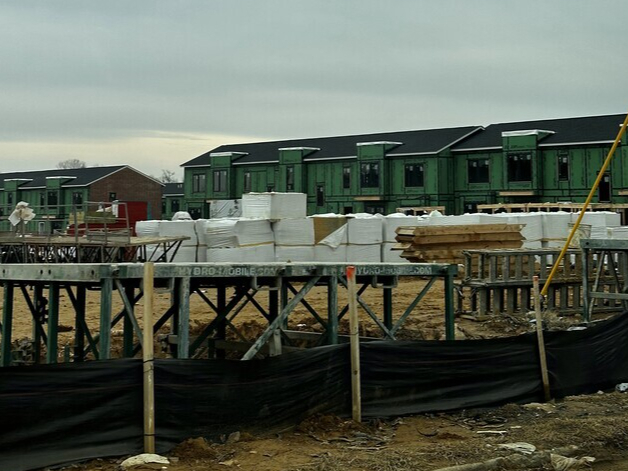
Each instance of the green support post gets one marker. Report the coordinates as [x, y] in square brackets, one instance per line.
[388, 307]
[283, 300]
[38, 320]
[79, 335]
[175, 300]
[7, 325]
[106, 289]
[127, 340]
[221, 329]
[52, 346]
[332, 310]
[586, 289]
[273, 304]
[183, 328]
[450, 325]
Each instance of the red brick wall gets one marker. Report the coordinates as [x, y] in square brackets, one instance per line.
[129, 185]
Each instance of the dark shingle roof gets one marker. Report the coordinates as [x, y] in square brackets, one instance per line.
[83, 176]
[413, 142]
[591, 129]
[171, 189]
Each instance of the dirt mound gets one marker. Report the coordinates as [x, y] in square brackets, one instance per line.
[194, 448]
[322, 424]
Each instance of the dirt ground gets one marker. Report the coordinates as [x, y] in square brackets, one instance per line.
[597, 424]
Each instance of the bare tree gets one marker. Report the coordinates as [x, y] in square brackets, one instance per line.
[71, 163]
[168, 176]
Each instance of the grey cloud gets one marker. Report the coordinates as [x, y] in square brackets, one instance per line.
[274, 68]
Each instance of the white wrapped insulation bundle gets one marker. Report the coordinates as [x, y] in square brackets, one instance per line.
[180, 228]
[392, 256]
[464, 219]
[237, 232]
[556, 225]
[364, 229]
[600, 222]
[330, 237]
[225, 209]
[532, 227]
[274, 205]
[147, 228]
[264, 253]
[294, 253]
[620, 232]
[326, 253]
[393, 221]
[364, 253]
[294, 231]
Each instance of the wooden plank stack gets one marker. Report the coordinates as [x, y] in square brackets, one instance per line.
[445, 244]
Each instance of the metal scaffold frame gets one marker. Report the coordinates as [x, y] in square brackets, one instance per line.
[287, 286]
[608, 256]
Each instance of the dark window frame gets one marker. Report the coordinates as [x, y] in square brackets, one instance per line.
[77, 197]
[175, 205]
[562, 162]
[414, 175]
[247, 183]
[346, 177]
[52, 198]
[290, 178]
[369, 175]
[113, 196]
[198, 183]
[320, 195]
[519, 167]
[220, 181]
[479, 171]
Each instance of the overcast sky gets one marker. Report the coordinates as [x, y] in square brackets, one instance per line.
[154, 83]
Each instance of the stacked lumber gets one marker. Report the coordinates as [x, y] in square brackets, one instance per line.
[445, 244]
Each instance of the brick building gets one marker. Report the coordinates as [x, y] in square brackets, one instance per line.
[56, 193]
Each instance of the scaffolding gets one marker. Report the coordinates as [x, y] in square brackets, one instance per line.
[287, 286]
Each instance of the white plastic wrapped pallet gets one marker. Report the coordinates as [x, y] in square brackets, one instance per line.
[364, 229]
[225, 209]
[326, 253]
[294, 240]
[364, 253]
[274, 205]
[264, 253]
[620, 232]
[556, 225]
[294, 253]
[390, 224]
[294, 231]
[392, 221]
[600, 222]
[237, 232]
[149, 229]
[532, 229]
[201, 248]
[463, 219]
[180, 228]
[392, 256]
[330, 237]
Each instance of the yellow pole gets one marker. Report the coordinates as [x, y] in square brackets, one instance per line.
[584, 208]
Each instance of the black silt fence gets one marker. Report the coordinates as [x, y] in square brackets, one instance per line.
[53, 414]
